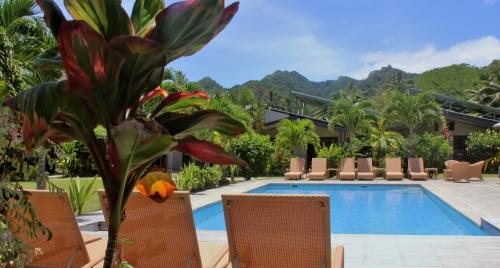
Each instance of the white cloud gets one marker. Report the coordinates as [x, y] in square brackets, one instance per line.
[286, 44]
[477, 52]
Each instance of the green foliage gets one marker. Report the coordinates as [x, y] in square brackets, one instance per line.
[76, 160]
[256, 150]
[195, 178]
[384, 142]
[488, 92]
[333, 154]
[296, 135]
[112, 69]
[280, 161]
[452, 80]
[435, 149]
[483, 145]
[176, 81]
[351, 116]
[80, 193]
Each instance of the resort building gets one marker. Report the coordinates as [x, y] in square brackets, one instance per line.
[462, 118]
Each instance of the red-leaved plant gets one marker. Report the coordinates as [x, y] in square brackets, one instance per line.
[114, 65]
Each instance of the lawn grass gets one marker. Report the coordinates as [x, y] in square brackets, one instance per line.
[91, 205]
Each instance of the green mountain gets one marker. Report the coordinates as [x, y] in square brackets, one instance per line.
[452, 80]
[210, 85]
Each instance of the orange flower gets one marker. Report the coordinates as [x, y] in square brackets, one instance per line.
[157, 185]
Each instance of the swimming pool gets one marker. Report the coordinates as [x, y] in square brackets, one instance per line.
[367, 209]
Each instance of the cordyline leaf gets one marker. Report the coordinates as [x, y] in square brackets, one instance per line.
[87, 57]
[227, 16]
[49, 60]
[157, 92]
[143, 15]
[143, 67]
[186, 125]
[105, 16]
[186, 27]
[181, 100]
[92, 68]
[135, 143]
[40, 106]
[52, 15]
[207, 152]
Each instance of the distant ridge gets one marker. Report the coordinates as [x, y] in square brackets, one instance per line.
[452, 80]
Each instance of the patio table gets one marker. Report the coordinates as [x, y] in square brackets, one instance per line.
[433, 172]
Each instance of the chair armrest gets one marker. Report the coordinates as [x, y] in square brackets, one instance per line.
[338, 257]
[220, 259]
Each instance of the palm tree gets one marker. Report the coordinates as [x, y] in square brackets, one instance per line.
[382, 140]
[274, 100]
[351, 116]
[489, 92]
[413, 111]
[23, 37]
[176, 81]
[296, 135]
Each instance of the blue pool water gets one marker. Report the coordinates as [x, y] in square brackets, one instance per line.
[367, 209]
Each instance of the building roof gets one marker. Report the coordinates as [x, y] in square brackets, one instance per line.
[453, 109]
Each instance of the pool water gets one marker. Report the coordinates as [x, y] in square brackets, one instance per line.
[367, 209]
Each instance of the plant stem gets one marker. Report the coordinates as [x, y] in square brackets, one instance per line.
[111, 246]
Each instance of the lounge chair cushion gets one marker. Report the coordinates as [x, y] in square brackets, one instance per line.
[365, 175]
[347, 175]
[419, 175]
[317, 175]
[293, 175]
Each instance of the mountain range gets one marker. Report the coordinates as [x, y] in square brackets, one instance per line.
[451, 80]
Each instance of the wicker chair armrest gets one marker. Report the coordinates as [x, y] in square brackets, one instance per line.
[221, 259]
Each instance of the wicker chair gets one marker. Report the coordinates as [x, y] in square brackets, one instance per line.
[161, 234]
[347, 169]
[393, 170]
[67, 248]
[280, 231]
[296, 169]
[475, 171]
[447, 172]
[460, 172]
[365, 169]
[319, 170]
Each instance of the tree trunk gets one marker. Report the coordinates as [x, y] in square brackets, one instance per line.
[40, 180]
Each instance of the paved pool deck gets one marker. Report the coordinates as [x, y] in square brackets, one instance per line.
[476, 200]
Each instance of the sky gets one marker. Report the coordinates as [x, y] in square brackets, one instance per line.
[324, 39]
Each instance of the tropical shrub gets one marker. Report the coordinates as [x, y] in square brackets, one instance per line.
[333, 154]
[256, 150]
[384, 142]
[483, 145]
[76, 160]
[413, 111]
[195, 178]
[280, 161]
[435, 149]
[80, 193]
[113, 66]
[294, 136]
[351, 116]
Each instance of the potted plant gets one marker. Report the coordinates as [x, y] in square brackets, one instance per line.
[113, 66]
